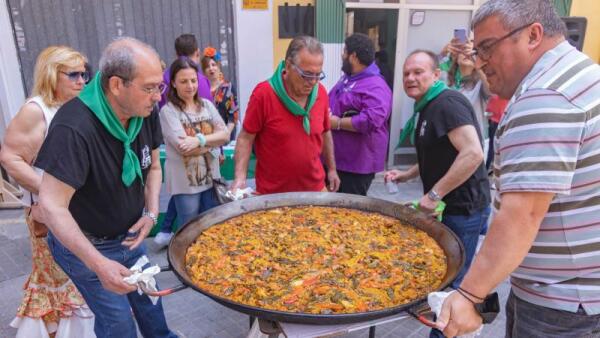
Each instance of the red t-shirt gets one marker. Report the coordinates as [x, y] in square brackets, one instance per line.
[287, 159]
[496, 106]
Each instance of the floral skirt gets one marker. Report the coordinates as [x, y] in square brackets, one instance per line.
[51, 304]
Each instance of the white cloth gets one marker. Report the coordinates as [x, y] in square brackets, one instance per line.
[436, 300]
[145, 277]
[239, 194]
[78, 325]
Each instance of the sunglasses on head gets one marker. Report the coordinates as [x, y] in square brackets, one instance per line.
[74, 76]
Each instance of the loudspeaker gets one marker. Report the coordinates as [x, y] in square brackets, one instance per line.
[576, 26]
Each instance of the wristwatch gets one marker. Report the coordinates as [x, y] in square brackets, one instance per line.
[151, 215]
[434, 196]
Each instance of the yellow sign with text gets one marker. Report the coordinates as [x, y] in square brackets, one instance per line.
[255, 4]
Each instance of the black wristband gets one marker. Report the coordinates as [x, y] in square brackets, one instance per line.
[465, 296]
[470, 294]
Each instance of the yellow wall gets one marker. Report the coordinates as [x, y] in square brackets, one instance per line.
[591, 10]
[280, 45]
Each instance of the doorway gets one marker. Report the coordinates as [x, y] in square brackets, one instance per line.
[381, 25]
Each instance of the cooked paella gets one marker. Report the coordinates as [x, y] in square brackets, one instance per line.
[319, 260]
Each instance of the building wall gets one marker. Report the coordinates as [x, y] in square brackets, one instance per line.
[280, 45]
[254, 47]
[591, 10]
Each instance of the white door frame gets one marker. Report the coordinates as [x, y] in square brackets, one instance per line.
[397, 120]
[12, 89]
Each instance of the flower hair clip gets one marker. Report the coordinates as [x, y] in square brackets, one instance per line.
[212, 53]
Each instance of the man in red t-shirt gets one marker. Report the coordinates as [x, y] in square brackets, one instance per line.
[287, 121]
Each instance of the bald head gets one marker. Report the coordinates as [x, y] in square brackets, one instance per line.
[123, 57]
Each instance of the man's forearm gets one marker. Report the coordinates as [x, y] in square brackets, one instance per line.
[328, 151]
[413, 171]
[152, 188]
[508, 240]
[65, 229]
[243, 148]
[461, 169]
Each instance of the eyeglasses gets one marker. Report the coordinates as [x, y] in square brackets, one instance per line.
[160, 88]
[74, 76]
[485, 52]
[308, 77]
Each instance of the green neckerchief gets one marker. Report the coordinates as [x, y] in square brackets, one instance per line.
[409, 128]
[445, 66]
[93, 97]
[276, 82]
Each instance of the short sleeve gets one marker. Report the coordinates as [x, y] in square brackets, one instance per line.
[254, 118]
[64, 155]
[453, 112]
[539, 143]
[215, 117]
[157, 137]
[326, 122]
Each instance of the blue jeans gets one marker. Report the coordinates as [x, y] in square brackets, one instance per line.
[170, 218]
[113, 311]
[191, 205]
[524, 319]
[467, 228]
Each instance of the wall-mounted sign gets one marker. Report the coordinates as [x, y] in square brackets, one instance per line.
[255, 4]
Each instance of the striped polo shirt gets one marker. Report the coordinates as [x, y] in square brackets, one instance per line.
[549, 141]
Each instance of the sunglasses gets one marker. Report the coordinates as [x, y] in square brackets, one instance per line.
[74, 76]
[308, 77]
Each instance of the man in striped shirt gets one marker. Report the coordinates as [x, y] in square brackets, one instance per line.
[546, 228]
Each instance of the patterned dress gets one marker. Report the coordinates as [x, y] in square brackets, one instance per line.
[225, 99]
[51, 305]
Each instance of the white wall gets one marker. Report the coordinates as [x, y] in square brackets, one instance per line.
[254, 47]
[12, 92]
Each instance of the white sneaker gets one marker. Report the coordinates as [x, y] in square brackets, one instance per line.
[163, 238]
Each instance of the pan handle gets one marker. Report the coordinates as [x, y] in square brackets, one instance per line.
[164, 292]
[423, 313]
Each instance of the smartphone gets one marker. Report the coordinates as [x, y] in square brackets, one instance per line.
[461, 35]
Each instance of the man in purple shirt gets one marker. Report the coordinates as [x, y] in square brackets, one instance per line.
[361, 103]
[186, 46]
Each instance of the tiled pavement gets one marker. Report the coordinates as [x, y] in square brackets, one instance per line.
[188, 313]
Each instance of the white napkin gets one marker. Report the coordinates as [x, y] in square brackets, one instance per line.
[436, 299]
[239, 194]
[145, 276]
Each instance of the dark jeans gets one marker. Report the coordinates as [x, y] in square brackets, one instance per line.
[492, 127]
[113, 311]
[527, 320]
[191, 205]
[352, 183]
[467, 228]
[169, 223]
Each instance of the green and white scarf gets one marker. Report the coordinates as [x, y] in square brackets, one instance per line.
[93, 96]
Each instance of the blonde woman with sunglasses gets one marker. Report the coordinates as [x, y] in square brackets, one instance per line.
[51, 305]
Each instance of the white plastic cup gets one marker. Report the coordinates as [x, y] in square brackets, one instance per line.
[391, 187]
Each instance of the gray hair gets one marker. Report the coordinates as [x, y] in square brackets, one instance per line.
[517, 13]
[300, 43]
[118, 59]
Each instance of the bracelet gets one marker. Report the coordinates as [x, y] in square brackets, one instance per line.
[470, 294]
[201, 138]
[339, 125]
[465, 296]
[150, 215]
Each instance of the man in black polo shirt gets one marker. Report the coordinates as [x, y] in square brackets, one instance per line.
[99, 192]
[449, 152]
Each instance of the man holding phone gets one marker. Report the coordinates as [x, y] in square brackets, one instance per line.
[361, 103]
